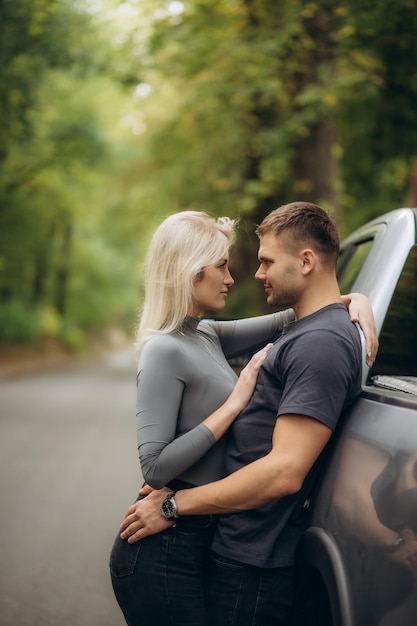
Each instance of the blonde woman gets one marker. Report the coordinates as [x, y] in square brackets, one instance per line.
[187, 397]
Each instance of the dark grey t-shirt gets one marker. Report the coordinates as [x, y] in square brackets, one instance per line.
[183, 377]
[314, 369]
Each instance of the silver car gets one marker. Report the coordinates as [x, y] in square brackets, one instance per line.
[357, 562]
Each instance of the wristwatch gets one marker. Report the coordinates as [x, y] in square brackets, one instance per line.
[397, 544]
[169, 507]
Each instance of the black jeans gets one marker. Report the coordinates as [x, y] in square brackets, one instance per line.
[243, 595]
[159, 581]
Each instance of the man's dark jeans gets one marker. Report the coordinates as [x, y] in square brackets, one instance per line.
[243, 595]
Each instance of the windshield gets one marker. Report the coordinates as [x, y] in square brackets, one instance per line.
[397, 355]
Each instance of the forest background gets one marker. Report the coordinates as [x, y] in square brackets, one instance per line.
[116, 114]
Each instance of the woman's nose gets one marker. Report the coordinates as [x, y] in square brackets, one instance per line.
[229, 280]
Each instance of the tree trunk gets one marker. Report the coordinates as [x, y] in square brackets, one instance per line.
[42, 268]
[63, 270]
[316, 169]
[411, 199]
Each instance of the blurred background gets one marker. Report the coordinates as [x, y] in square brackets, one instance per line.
[115, 114]
[112, 116]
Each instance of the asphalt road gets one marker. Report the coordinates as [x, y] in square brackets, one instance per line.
[68, 471]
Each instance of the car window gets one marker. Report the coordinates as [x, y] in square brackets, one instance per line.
[397, 355]
[351, 260]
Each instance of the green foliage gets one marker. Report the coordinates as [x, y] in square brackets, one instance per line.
[73, 338]
[17, 323]
[252, 82]
[62, 151]
[21, 325]
[242, 105]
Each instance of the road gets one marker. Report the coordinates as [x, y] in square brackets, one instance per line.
[68, 470]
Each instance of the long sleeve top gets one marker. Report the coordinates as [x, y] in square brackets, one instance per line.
[183, 377]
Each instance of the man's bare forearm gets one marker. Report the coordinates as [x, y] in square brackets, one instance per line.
[297, 442]
[249, 488]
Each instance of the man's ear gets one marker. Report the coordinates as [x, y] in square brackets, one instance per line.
[308, 260]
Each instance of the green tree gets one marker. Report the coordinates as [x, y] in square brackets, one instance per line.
[265, 97]
[267, 102]
[63, 89]
[116, 114]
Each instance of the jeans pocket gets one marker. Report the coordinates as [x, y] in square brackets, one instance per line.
[225, 563]
[123, 557]
[195, 523]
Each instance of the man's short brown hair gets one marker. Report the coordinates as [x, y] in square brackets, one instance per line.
[304, 224]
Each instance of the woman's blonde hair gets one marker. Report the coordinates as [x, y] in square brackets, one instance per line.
[182, 246]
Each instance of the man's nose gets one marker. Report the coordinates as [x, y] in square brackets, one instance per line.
[260, 274]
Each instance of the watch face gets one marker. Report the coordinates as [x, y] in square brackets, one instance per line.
[168, 508]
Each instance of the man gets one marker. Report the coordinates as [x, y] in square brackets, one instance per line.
[312, 373]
